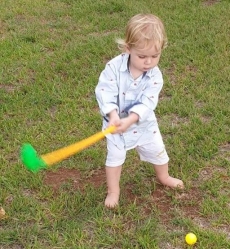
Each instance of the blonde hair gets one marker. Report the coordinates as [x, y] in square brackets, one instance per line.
[145, 30]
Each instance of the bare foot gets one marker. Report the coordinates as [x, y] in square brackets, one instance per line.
[112, 200]
[172, 182]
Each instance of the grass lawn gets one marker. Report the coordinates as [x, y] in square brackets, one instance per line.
[51, 55]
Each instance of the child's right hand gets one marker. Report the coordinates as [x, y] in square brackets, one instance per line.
[114, 119]
[123, 124]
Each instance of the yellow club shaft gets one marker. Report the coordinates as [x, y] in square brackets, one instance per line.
[63, 153]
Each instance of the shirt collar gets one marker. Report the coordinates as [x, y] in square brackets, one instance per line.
[125, 67]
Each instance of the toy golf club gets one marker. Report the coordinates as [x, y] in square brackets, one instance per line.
[34, 162]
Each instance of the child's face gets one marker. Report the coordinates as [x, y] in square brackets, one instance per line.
[142, 60]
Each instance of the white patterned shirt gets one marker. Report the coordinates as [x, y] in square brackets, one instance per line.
[117, 89]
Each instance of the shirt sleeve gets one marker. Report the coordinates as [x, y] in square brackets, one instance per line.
[107, 90]
[149, 96]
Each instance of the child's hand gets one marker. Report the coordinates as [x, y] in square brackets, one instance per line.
[122, 124]
[125, 123]
[114, 120]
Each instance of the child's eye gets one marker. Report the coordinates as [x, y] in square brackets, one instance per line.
[141, 57]
[155, 56]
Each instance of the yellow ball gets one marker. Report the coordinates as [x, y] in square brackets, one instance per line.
[190, 238]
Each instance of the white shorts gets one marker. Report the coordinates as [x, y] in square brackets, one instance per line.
[153, 152]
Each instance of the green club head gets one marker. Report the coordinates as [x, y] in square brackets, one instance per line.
[31, 159]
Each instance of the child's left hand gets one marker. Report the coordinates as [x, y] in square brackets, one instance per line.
[125, 123]
[123, 126]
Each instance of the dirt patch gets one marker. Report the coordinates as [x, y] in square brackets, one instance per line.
[101, 34]
[165, 97]
[96, 177]
[210, 2]
[162, 198]
[190, 202]
[206, 224]
[163, 203]
[64, 176]
[56, 179]
[224, 150]
[8, 88]
[166, 202]
[52, 111]
[175, 73]
[3, 30]
[205, 119]
[212, 171]
[171, 72]
[158, 200]
[169, 202]
[191, 70]
[176, 120]
[225, 147]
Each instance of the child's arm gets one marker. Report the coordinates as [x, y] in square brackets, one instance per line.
[114, 118]
[107, 91]
[125, 123]
[148, 98]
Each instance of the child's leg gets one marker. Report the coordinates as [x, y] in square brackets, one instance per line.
[164, 177]
[114, 161]
[155, 153]
[113, 175]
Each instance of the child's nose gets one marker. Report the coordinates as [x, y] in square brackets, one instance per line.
[148, 61]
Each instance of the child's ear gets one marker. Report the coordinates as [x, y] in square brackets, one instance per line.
[127, 49]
